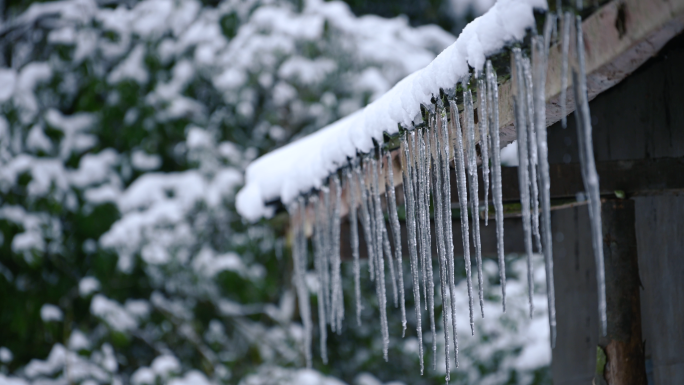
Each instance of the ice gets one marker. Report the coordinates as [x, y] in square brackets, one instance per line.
[532, 147]
[497, 190]
[354, 235]
[427, 242]
[589, 175]
[484, 141]
[539, 62]
[437, 186]
[418, 186]
[445, 150]
[326, 242]
[472, 181]
[565, 48]
[365, 216]
[337, 294]
[459, 164]
[520, 104]
[297, 217]
[406, 165]
[380, 268]
[322, 286]
[387, 248]
[396, 236]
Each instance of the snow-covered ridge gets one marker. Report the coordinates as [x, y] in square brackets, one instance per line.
[304, 164]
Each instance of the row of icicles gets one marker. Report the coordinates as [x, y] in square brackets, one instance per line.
[425, 155]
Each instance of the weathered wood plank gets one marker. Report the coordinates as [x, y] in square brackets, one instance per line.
[660, 245]
[623, 344]
[574, 358]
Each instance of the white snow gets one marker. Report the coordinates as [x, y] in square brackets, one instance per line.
[509, 155]
[6, 355]
[78, 341]
[112, 313]
[145, 162]
[88, 285]
[299, 166]
[51, 312]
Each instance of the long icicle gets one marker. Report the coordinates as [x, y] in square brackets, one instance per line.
[474, 200]
[365, 217]
[297, 218]
[380, 267]
[327, 242]
[539, 62]
[411, 230]
[418, 202]
[318, 265]
[484, 141]
[446, 216]
[396, 236]
[565, 48]
[532, 151]
[354, 235]
[425, 154]
[387, 248]
[439, 230]
[497, 191]
[520, 103]
[459, 161]
[337, 293]
[591, 178]
[420, 208]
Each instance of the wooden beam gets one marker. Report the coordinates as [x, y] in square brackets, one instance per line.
[623, 344]
[631, 177]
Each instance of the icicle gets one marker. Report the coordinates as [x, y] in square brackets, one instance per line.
[380, 268]
[354, 235]
[445, 150]
[430, 295]
[459, 164]
[497, 191]
[388, 253]
[297, 219]
[418, 197]
[539, 50]
[590, 177]
[411, 230]
[396, 235]
[472, 181]
[520, 103]
[439, 230]
[365, 217]
[337, 293]
[318, 265]
[549, 31]
[565, 47]
[377, 250]
[484, 141]
[532, 152]
[324, 224]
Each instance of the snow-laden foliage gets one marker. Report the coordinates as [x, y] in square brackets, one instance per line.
[124, 134]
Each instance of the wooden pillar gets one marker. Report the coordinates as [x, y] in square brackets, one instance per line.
[623, 344]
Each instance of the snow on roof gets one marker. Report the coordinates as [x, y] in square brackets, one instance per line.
[304, 164]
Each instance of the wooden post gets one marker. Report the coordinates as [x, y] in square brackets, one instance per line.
[623, 344]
